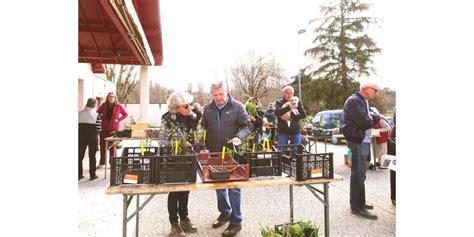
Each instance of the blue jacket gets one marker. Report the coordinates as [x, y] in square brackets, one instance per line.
[221, 125]
[356, 118]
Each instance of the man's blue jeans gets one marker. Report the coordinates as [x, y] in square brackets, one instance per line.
[232, 196]
[283, 138]
[360, 154]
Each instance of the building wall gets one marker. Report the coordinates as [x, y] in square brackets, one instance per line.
[92, 85]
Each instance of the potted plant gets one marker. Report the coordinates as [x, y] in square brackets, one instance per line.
[299, 229]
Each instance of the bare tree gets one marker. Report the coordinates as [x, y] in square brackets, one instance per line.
[200, 96]
[256, 76]
[125, 79]
[190, 87]
[159, 94]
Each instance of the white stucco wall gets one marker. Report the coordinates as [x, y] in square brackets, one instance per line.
[93, 85]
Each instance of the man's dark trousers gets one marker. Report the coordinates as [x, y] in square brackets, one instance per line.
[360, 154]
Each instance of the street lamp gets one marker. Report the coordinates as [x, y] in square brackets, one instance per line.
[299, 70]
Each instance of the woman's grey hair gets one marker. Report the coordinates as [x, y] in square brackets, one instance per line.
[178, 99]
[216, 85]
[91, 102]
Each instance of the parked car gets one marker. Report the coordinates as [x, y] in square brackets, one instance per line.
[325, 121]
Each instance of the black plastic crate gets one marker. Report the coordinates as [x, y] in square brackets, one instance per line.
[175, 168]
[137, 151]
[263, 163]
[140, 167]
[300, 164]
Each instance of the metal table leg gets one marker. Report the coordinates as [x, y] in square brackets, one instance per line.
[315, 145]
[373, 152]
[291, 203]
[326, 210]
[124, 220]
[325, 146]
[325, 201]
[126, 203]
[107, 147]
[138, 215]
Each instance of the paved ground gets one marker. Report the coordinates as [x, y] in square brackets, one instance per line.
[100, 214]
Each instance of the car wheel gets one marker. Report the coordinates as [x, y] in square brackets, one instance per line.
[335, 140]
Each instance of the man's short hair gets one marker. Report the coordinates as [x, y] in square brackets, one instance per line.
[288, 87]
[91, 102]
[216, 85]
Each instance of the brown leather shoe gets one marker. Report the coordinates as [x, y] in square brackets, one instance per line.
[231, 230]
[187, 226]
[221, 220]
[176, 231]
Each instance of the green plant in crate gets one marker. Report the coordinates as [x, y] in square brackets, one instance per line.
[299, 229]
[175, 140]
[199, 136]
[246, 145]
[266, 231]
[251, 106]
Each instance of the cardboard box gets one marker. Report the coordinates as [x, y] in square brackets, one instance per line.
[139, 130]
[347, 161]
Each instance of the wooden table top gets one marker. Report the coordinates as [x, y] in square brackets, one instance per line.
[144, 189]
[113, 139]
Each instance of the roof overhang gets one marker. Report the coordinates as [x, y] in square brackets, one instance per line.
[120, 32]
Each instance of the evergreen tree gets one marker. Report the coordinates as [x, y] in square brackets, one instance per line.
[343, 50]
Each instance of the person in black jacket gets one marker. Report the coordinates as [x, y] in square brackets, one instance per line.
[181, 117]
[289, 127]
[357, 129]
[89, 128]
[270, 113]
[257, 120]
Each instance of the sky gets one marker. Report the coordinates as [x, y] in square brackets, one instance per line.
[202, 40]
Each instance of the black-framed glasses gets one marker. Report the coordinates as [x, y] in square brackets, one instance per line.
[374, 89]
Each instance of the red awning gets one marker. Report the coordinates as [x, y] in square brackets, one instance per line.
[111, 33]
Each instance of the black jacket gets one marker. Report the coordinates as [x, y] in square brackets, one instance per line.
[270, 115]
[183, 123]
[295, 119]
[356, 118]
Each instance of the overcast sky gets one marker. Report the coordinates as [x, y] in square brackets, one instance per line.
[203, 39]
